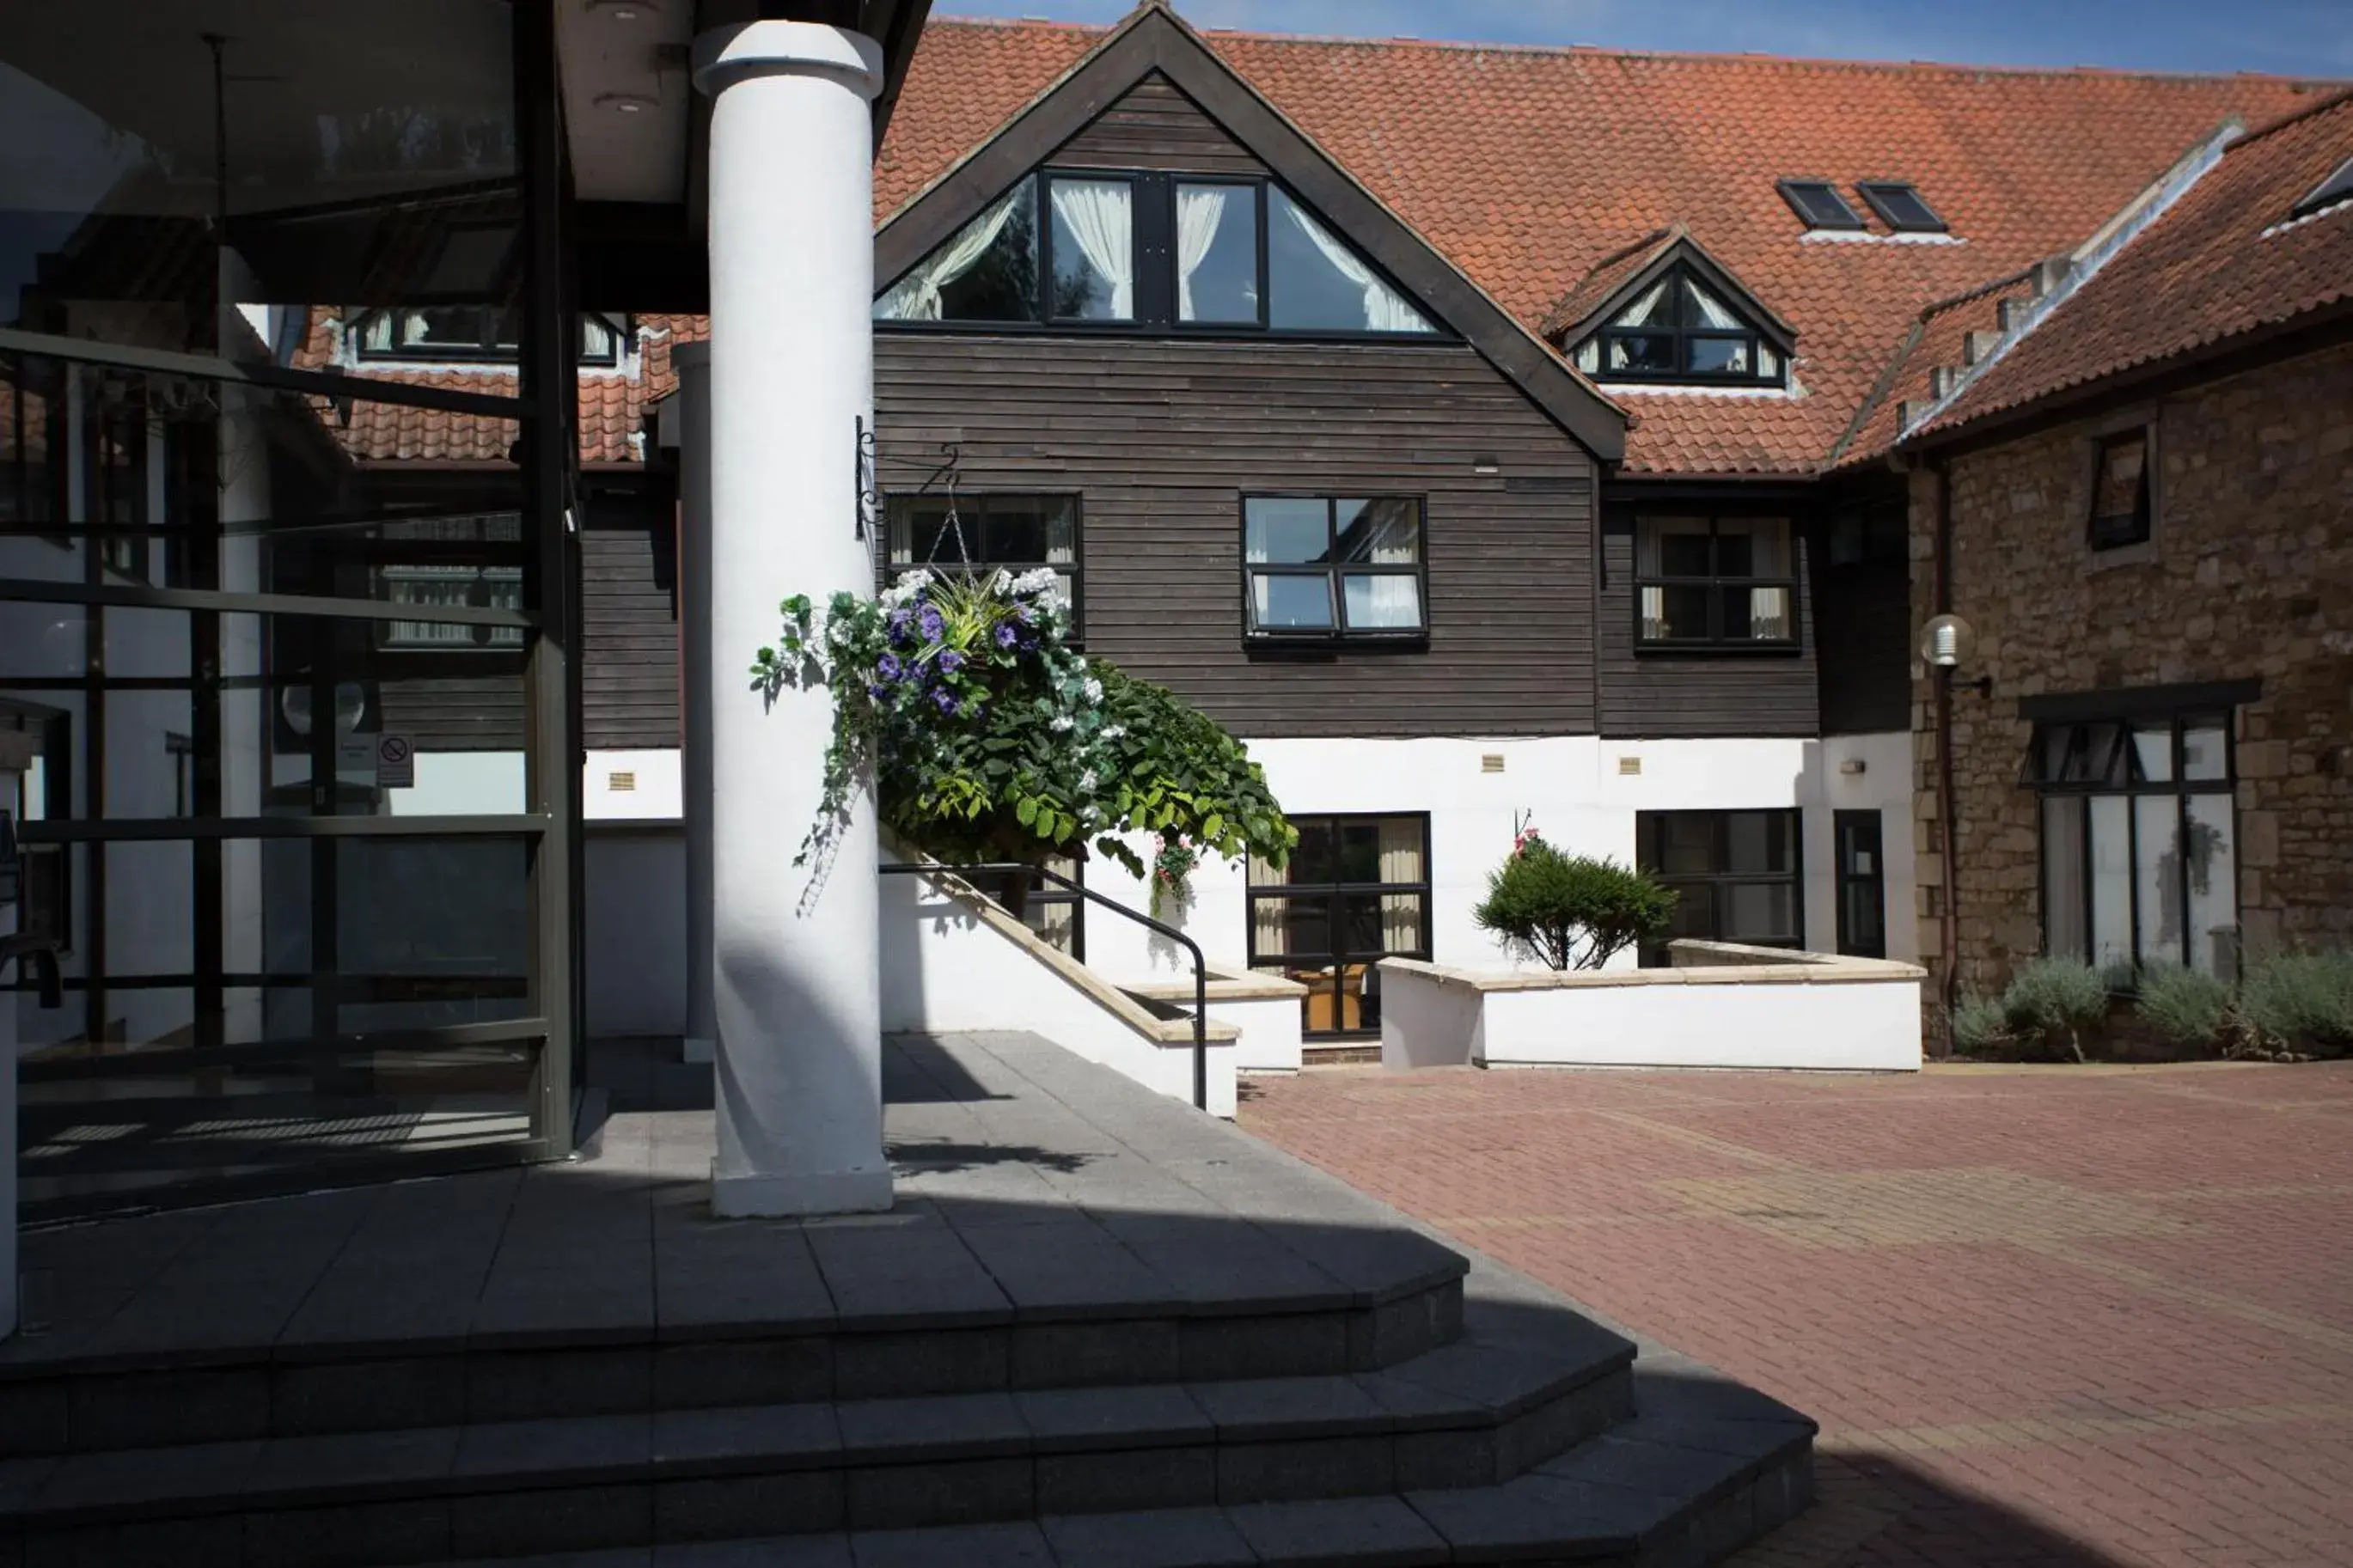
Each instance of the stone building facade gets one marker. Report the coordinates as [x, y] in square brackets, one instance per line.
[2247, 577]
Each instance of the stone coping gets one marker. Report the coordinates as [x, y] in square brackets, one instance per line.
[1697, 963]
[1132, 1009]
[1225, 985]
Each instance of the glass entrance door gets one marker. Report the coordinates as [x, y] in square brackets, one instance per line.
[1862, 885]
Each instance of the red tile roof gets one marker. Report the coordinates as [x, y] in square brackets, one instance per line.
[1610, 274]
[1934, 339]
[2227, 258]
[1528, 167]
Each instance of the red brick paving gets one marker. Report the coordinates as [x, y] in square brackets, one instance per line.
[2070, 1316]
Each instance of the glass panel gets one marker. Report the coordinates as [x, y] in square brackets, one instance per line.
[1291, 602]
[1674, 612]
[1641, 353]
[1768, 364]
[1758, 911]
[1093, 250]
[1387, 531]
[1359, 844]
[1017, 531]
[1296, 928]
[2157, 870]
[1685, 842]
[1382, 602]
[1589, 356]
[2119, 485]
[2064, 891]
[2205, 746]
[1759, 615]
[1655, 306]
[1754, 547]
[1316, 282]
[1760, 841]
[2112, 874]
[1280, 530]
[2152, 752]
[1217, 253]
[2214, 885]
[1703, 308]
[988, 272]
[1317, 857]
[1673, 547]
[1717, 356]
[1864, 934]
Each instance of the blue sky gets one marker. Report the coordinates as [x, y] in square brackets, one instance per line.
[2294, 38]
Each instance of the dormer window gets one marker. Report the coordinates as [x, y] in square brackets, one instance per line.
[1901, 206]
[2335, 189]
[1819, 204]
[486, 332]
[1677, 329]
[1154, 252]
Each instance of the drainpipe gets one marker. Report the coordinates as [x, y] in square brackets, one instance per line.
[1948, 929]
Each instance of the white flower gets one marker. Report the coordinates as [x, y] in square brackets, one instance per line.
[1113, 732]
[1093, 689]
[908, 585]
[999, 581]
[1061, 721]
[1087, 781]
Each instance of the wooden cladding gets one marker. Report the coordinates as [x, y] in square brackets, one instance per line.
[1162, 437]
[1677, 693]
[628, 634]
[1154, 126]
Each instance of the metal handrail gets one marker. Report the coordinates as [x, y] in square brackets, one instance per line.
[1200, 962]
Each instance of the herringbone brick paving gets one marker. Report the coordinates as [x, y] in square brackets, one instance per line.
[2045, 1316]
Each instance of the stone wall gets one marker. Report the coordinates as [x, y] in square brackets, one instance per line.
[2249, 573]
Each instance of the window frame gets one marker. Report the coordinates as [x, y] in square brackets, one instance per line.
[1334, 893]
[2334, 191]
[1648, 824]
[2118, 775]
[2143, 517]
[1715, 642]
[1334, 571]
[1875, 194]
[486, 351]
[1683, 335]
[1076, 569]
[1789, 186]
[1153, 247]
[1843, 878]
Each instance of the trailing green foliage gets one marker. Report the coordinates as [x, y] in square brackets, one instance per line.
[1980, 1027]
[1570, 910]
[2186, 1006]
[2301, 1000]
[2056, 999]
[988, 737]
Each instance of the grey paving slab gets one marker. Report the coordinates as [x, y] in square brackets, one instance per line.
[1539, 1517]
[355, 1465]
[766, 1437]
[902, 1431]
[830, 1550]
[1156, 1414]
[1163, 1538]
[131, 1480]
[1021, 1545]
[1352, 1532]
[583, 1448]
[1251, 1409]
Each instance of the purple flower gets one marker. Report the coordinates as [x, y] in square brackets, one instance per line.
[931, 624]
[877, 693]
[888, 667]
[951, 661]
[899, 623]
[945, 700]
[1006, 636]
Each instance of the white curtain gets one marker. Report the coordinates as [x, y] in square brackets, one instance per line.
[917, 296]
[1384, 602]
[1095, 212]
[1200, 210]
[1711, 310]
[1401, 848]
[1386, 309]
[1644, 311]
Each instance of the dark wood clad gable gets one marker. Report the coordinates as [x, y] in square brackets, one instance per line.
[1156, 126]
[1864, 622]
[628, 633]
[1684, 695]
[1161, 439]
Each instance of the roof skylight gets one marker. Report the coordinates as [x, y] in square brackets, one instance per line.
[1819, 203]
[2338, 188]
[1901, 206]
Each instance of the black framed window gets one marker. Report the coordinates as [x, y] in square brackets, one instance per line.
[1715, 582]
[2120, 510]
[2139, 839]
[1679, 329]
[1737, 876]
[488, 332]
[1333, 567]
[1357, 891]
[1861, 884]
[1143, 251]
[1819, 204]
[979, 533]
[1901, 206]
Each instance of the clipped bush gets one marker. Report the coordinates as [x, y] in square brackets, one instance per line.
[1980, 1026]
[2186, 1006]
[2301, 1000]
[2056, 999]
[1571, 912]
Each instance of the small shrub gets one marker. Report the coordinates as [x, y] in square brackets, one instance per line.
[2057, 999]
[2186, 1006]
[2302, 999]
[1980, 1026]
[1571, 911]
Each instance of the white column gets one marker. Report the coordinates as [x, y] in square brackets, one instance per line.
[796, 998]
[693, 363]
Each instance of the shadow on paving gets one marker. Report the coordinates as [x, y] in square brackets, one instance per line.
[1880, 1510]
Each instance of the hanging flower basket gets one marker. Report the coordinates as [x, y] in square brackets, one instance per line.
[989, 738]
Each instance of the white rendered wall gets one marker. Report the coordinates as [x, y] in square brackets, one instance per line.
[1580, 802]
[652, 780]
[945, 969]
[1270, 1028]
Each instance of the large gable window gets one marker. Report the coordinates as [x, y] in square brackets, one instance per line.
[1152, 251]
[1678, 329]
